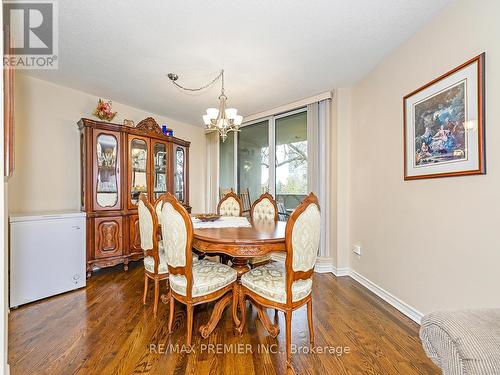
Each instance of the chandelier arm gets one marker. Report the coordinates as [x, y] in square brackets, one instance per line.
[221, 74]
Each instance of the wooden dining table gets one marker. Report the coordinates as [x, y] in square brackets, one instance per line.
[241, 244]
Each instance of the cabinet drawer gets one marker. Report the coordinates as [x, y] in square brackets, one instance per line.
[108, 236]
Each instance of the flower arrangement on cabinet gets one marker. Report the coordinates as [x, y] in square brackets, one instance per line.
[104, 111]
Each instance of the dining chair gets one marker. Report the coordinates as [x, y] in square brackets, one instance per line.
[263, 209]
[158, 206]
[224, 191]
[155, 265]
[288, 288]
[245, 201]
[282, 214]
[230, 205]
[192, 284]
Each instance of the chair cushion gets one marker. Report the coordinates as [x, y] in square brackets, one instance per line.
[268, 281]
[208, 277]
[149, 265]
[262, 259]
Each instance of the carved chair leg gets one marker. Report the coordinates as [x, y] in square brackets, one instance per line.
[146, 279]
[189, 324]
[219, 307]
[310, 321]
[241, 297]
[288, 338]
[272, 329]
[171, 313]
[235, 305]
[157, 296]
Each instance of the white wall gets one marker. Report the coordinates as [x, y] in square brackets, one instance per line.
[432, 243]
[47, 160]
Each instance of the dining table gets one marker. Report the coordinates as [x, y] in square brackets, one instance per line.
[257, 239]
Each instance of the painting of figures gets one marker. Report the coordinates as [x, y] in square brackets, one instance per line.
[444, 124]
[439, 127]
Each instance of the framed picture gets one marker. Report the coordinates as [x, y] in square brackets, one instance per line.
[444, 125]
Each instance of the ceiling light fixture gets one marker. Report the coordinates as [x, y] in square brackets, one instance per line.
[222, 120]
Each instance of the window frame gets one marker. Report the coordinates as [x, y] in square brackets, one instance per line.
[271, 120]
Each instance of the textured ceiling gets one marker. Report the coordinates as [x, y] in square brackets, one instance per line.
[274, 52]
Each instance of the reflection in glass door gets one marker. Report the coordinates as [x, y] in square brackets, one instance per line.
[291, 159]
[107, 182]
[253, 159]
[226, 164]
[179, 174]
[138, 158]
[160, 170]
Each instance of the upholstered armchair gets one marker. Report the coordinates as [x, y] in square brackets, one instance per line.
[288, 288]
[192, 283]
[230, 205]
[263, 209]
[155, 265]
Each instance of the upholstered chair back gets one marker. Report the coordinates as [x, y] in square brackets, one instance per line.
[174, 235]
[230, 205]
[303, 235]
[158, 206]
[148, 230]
[145, 223]
[264, 209]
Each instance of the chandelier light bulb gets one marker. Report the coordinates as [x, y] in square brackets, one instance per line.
[231, 113]
[206, 119]
[212, 113]
[238, 120]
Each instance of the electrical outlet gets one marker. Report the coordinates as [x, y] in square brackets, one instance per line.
[356, 249]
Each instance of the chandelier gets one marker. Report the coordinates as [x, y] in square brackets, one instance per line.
[222, 120]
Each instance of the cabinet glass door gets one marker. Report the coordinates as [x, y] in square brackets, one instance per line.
[138, 169]
[179, 174]
[107, 181]
[159, 169]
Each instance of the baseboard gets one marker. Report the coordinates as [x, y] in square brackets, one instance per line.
[325, 265]
[395, 302]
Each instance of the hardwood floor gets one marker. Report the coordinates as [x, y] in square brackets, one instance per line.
[105, 329]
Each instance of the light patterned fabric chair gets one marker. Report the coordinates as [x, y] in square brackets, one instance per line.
[158, 206]
[288, 288]
[192, 283]
[230, 205]
[155, 265]
[263, 209]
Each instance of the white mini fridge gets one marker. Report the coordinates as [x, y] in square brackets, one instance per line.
[47, 255]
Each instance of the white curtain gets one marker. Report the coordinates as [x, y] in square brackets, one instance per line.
[212, 171]
[318, 136]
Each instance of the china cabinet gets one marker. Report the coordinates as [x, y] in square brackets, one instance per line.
[118, 163]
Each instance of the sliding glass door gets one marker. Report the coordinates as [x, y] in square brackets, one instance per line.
[253, 159]
[226, 163]
[270, 156]
[291, 159]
